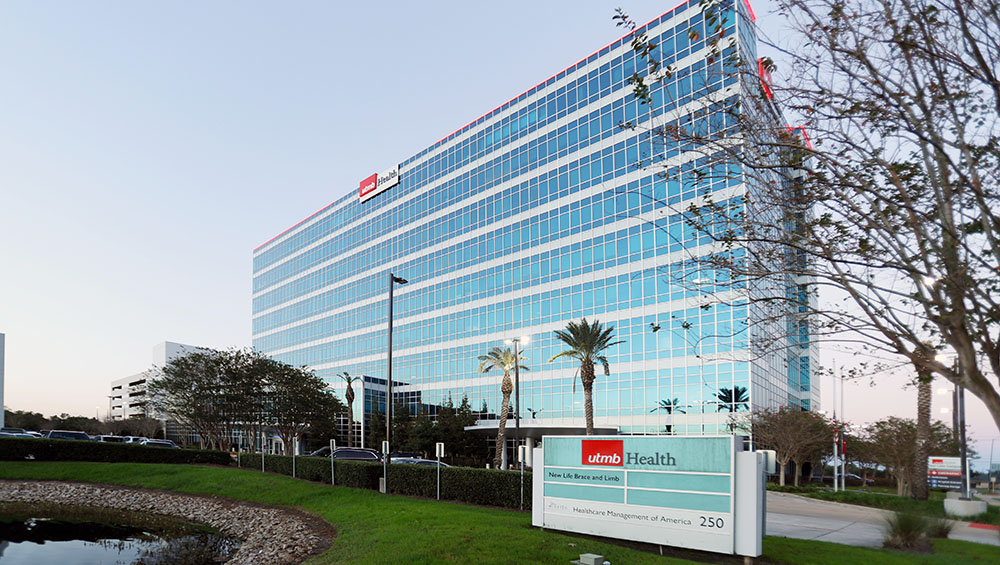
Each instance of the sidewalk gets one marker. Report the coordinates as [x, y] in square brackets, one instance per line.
[800, 517]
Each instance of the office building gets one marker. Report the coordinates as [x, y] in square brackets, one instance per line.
[129, 395]
[531, 216]
[3, 407]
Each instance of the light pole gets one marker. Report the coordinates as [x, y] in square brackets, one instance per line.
[517, 409]
[843, 437]
[962, 439]
[393, 281]
[989, 476]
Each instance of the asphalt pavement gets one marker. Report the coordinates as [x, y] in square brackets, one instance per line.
[799, 517]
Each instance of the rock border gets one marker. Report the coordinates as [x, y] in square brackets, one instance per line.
[267, 534]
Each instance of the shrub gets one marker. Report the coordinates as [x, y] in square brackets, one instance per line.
[486, 487]
[939, 527]
[906, 531]
[20, 449]
[804, 489]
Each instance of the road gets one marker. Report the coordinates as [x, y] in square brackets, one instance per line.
[793, 516]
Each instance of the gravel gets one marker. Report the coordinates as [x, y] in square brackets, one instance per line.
[268, 534]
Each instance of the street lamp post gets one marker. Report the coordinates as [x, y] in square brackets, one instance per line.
[962, 439]
[843, 437]
[393, 281]
[989, 476]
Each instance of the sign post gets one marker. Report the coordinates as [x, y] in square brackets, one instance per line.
[333, 447]
[692, 492]
[384, 482]
[439, 452]
[944, 472]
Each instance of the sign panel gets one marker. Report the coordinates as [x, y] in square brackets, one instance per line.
[675, 491]
[378, 182]
[944, 472]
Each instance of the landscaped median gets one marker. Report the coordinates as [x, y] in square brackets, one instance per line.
[375, 528]
[933, 507]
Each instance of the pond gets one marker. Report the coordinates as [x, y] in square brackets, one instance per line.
[43, 534]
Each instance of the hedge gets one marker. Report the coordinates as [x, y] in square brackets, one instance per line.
[20, 449]
[486, 487]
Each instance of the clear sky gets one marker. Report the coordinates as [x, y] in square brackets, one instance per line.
[146, 149]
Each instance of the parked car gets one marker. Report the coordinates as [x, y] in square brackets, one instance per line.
[418, 461]
[321, 452]
[356, 454]
[133, 439]
[110, 439]
[852, 480]
[13, 430]
[349, 453]
[14, 434]
[33, 434]
[855, 480]
[67, 434]
[159, 443]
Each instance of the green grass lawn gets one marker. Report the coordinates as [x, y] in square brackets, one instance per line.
[374, 528]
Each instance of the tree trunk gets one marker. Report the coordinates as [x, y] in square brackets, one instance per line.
[587, 378]
[782, 464]
[349, 397]
[920, 489]
[795, 467]
[506, 388]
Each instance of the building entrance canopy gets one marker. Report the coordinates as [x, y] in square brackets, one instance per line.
[535, 430]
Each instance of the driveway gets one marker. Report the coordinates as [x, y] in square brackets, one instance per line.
[794, 516]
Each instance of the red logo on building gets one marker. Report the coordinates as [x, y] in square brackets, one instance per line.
[603, 452]
[369, 184]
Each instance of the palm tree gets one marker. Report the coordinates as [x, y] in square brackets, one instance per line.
[586, 343]
[668, 406]
[349, 397]
[732, 399]
[501, 358]
[919, 489]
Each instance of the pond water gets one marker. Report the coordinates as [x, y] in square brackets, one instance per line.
[72, 540]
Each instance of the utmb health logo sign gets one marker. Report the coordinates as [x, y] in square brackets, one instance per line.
[679, 491]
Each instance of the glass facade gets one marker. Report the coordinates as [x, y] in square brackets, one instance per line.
[534, 215]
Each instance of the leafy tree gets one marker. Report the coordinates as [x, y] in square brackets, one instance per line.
[861, 452]
[188, 390]
[501, 358]
[243, 403]
[586, 343]
[892, 204]
[297, 397]
[893, 442]
[64, 421]
[349, 398]
[422, 434]
[144, 426]
[795, 436]
[466, 444]
[401, 425]
[376, 431]
[25, 419]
